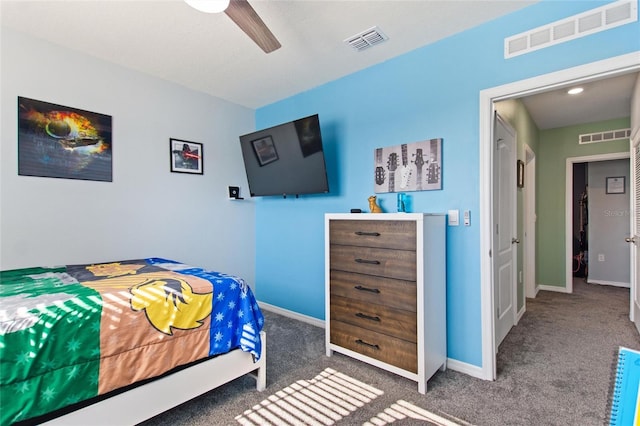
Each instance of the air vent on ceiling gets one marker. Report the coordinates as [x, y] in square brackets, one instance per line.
[583, 24]
[366, 39]
[609, 135]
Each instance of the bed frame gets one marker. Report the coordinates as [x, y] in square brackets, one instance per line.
[157, 396]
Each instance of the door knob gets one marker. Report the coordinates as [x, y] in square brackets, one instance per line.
[630, 240]
[515, 241]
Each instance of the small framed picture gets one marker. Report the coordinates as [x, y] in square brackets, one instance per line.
[520, 174]
[615, 185]
[265, 150]
[186, 157]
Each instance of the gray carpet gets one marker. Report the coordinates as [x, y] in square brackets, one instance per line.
[554, 368]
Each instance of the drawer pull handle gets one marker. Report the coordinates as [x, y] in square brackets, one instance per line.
[362, 342]
[371, 262]
[368, 234]
[368, 317]
[372, 290]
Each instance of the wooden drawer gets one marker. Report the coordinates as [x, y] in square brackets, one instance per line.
[374, 233]
[384, 348]
[393, 293]
[399, 264]
[378, 318]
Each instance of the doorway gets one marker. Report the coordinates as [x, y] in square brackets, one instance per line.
[607, 68]
[580, 222]
[570, 217]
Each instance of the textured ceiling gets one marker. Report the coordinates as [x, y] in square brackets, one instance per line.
[208, 53]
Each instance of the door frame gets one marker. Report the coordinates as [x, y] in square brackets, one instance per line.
[568, 208]
[529, 225]
[614, 66]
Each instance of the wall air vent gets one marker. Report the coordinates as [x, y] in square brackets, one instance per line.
[612, 15]
[366, 39]
[609, 135]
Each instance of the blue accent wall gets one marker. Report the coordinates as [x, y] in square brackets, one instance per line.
[431, 92]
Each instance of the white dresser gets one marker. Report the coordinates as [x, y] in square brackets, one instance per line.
[385, 297]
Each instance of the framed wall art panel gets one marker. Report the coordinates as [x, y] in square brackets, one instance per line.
[409, 167]
[63, 142]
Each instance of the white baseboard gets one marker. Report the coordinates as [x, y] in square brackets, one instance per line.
[612, 283]
[536, 290]
[290, 314]
[520, 314]
[453, 364]
[463, 367]
[553, 288]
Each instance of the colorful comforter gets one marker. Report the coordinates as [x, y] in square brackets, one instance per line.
[71, 333]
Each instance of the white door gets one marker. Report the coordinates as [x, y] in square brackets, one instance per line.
[634, 238]
[504, 228]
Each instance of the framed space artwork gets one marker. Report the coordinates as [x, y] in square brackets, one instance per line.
[409, 167]
[186, 156]
[63, 142]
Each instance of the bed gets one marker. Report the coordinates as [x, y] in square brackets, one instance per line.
[71, 335]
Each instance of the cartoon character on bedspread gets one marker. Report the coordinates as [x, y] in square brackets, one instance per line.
[170, 311]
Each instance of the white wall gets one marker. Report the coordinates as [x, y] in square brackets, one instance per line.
[147, 210]
[609, 225]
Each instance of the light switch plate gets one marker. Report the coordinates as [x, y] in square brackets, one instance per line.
[467, 218]
[454, 217]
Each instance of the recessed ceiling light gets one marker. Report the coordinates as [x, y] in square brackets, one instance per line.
[575, 90]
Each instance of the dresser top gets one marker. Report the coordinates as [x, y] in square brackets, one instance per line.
[380, 216]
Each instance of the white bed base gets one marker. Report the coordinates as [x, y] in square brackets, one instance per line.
[155, 397]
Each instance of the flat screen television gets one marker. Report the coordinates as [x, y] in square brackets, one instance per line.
[286, 159]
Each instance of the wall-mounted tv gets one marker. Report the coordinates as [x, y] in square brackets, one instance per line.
[286, 159]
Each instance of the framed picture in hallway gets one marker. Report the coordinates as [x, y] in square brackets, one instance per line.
[615, 185]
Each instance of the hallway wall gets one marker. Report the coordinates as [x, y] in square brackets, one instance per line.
[555, 146]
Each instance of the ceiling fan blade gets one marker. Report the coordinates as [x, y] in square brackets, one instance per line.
[241, 12]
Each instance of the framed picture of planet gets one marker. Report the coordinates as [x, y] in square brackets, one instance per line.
[62, 142]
